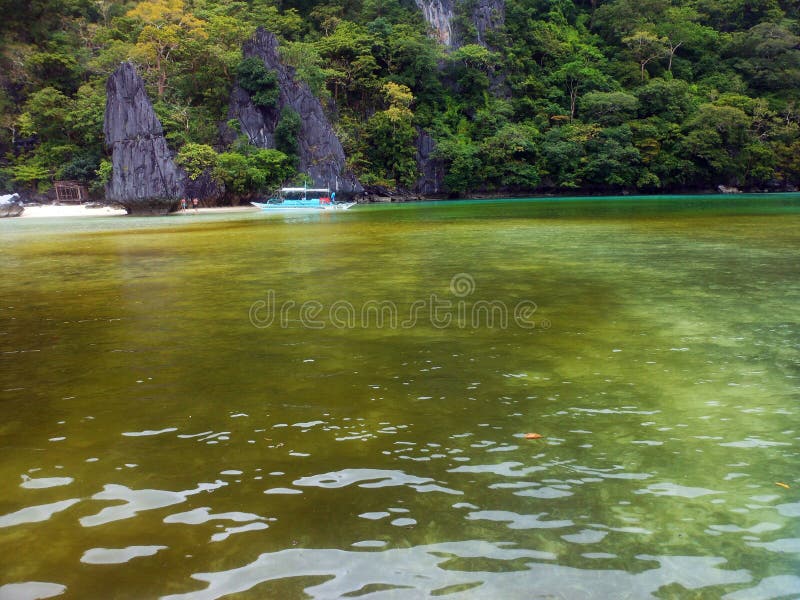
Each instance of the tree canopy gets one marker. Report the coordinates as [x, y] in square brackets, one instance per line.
[597, 95]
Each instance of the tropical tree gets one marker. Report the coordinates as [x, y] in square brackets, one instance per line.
[608, 108]
[580, 75]
[645, 47]
[166, 26]
[390, 137]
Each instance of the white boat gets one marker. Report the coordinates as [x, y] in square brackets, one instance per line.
[303, 199]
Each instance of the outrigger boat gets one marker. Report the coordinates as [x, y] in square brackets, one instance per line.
[303, 198]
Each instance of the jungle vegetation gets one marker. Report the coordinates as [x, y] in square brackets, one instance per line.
[568, 96]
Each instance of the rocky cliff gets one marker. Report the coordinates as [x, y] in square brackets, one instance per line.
[439, 15]
[320, 153]
[485, 16]
[431, 170]
[145, 179]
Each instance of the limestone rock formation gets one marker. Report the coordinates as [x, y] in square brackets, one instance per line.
[431, 180]
[320, 152]
[145, 179]
[10, 206]
[204, 187]
[485, 15]
[439, 15]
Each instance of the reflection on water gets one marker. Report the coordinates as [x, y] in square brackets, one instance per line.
[157, 444]
[107, 556]
[469, 569]
[138, 500]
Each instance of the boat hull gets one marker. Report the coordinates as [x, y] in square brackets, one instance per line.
[285, 207]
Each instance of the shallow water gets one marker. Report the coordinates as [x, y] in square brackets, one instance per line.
[336, 405]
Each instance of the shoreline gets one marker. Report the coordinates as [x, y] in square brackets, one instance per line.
[400, 199]
[82, 211]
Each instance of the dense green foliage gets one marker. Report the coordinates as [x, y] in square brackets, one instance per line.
[286, 132]
[261, 84]
[259, 171]
[602, 95]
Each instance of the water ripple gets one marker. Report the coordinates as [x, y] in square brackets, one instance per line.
[789, 510]
[36, 514]
[31, 589]
[115, 556]
[768, 588]
[753, 442]
[149, 432]
[585, 536]
[788, 545]
[44, 482]
[204, 515]
[229, 531]
[758, 528]
[371, 478]
[423, 571]
[138, 500]
[517, 521]
[506, 469]
[673, 489]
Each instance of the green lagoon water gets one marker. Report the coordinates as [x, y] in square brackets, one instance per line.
[335, 405]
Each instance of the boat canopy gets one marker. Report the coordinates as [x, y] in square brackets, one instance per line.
[299, 189]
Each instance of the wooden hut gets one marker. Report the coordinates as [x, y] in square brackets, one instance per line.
[70, 192]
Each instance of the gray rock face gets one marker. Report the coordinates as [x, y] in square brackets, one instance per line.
[145, 179]
[321, 153]
[486, 16]
[431, 180]
[204, 187]
[439, 15]
[10, 206]
[257, 124]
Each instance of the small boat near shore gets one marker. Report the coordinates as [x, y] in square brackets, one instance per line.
[295, 199]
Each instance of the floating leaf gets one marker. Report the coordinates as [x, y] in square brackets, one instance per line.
[783, 485]
[533, 436]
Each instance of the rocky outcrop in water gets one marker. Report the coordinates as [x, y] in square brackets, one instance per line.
[724, 189]
[10, 206]
[145, 179]
[320, 153]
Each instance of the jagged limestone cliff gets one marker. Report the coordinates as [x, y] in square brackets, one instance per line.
[431, 170]
[439, 15]
[485, 16]
[145, 179]
[320, 153]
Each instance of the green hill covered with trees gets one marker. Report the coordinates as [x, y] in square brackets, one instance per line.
[568, 95]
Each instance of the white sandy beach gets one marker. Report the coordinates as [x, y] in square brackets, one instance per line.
[78, 210]
[68, 210]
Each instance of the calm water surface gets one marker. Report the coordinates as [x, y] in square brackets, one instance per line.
[260, 406]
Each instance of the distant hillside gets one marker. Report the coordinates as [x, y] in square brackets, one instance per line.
[518, 96]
